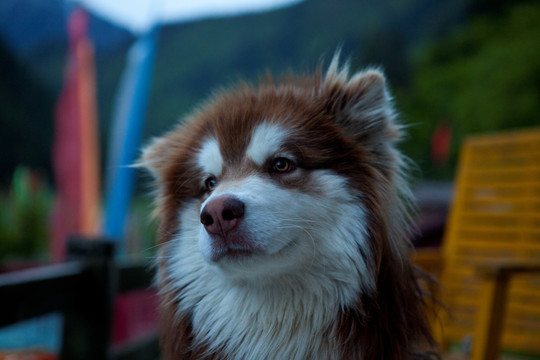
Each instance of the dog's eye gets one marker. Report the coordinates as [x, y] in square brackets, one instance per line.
[210, 183]
[282, 165]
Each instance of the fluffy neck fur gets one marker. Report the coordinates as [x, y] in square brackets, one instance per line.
[292, 316]
[276, 319]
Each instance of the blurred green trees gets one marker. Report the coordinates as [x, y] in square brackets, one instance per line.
[24, 217]
[484, 77]
[25, 213]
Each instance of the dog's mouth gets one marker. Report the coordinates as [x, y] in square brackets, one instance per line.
[221, 252]
[232, 247]
[241, 248]
[224, 252]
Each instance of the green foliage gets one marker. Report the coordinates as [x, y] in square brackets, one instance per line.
[24, 215]
[485, 77]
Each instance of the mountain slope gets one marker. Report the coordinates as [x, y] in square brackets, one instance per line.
[195, 58]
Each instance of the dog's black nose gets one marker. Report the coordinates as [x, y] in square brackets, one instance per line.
[222, 214]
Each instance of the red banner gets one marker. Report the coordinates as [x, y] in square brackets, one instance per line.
[75, 149]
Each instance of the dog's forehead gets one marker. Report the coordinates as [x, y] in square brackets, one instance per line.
[263, 141]
[209, 157]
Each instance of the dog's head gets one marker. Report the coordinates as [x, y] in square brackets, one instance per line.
[296, 183]
[276, 179]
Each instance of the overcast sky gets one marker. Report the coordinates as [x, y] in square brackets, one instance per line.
[138, 15]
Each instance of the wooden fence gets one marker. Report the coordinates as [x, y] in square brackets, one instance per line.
[84, 290]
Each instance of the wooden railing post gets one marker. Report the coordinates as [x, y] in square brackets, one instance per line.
[88, 321]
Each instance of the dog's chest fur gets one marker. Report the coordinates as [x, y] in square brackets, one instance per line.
[266, 323]
[291, 316]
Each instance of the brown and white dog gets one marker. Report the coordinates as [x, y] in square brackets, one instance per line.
[284, 227]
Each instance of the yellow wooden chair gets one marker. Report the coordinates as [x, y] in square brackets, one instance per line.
[491, 275]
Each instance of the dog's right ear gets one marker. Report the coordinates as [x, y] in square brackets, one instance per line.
[154, 157]
[361, 103]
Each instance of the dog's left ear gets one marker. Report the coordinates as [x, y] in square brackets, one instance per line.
[361, 103]
[154, 157]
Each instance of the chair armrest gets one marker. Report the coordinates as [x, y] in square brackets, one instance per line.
[507, 267]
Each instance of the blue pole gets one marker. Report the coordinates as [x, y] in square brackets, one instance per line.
[131, 104]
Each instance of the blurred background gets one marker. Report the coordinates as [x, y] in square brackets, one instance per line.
[455, 68]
